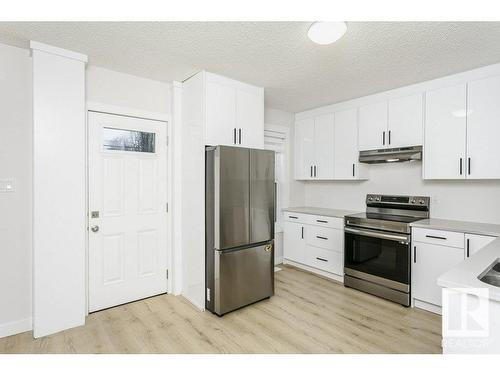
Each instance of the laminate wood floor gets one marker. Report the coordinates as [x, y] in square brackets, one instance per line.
[308, 314]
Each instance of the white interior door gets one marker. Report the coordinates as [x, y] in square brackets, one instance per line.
[127, 209]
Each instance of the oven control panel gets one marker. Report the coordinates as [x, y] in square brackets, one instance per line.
[419, 201]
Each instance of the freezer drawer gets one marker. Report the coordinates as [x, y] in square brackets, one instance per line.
[243, 276]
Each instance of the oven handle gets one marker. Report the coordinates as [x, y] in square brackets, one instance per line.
[371, 233]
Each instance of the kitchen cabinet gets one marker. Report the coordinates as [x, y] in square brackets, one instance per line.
[315, 242]
[232, 112]
[394, 123]
[345, 142]
[429, 261]
[435, 252]
[304, 149]
[445, 133]
[405, 121]
[314, 148]
[294, 242]
[474, 242]
[373, 126]
[483, 129]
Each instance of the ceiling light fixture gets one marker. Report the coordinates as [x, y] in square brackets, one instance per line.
[326, 32]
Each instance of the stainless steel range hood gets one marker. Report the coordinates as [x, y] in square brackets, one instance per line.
[391, 155]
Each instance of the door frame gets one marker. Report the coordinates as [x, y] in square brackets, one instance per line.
[139, 114]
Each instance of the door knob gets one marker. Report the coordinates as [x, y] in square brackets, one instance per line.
[94, 228]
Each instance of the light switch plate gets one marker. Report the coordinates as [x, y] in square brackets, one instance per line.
[7, 185]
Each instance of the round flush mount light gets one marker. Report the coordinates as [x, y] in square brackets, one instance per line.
[326, 32]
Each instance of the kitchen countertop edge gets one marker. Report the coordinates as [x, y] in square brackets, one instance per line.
[332, 212]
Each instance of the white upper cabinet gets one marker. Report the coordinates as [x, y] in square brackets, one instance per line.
[249, 118]
[405, 121]
[483, 129]
[346, 165]
[445, 133]
[234, 112]
[323, 150]
[304, 149]
[373, 126]
[220, 115]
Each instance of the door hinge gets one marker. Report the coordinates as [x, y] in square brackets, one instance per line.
[166, 206]
[167, 140]
[208, 294]
[166, 273]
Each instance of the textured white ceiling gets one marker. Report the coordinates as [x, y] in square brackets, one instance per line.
[297, 74]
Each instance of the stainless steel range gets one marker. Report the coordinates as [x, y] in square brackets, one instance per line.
[378, 245]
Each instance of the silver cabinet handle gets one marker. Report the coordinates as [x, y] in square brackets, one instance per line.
[234, 135]
[311, 170]
[372, 233]
[460, 166]
[414, 254]
[239, 135]
[468, 247]
[302, 235]
[322, 259]
[94, 228]
[383, 138]
[322, 238]
[293, 217]
[321, 221]
[353, 174]
[314, 171]
[389, 137]
[468, 166]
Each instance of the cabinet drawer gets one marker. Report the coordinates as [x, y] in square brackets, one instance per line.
[326, 221]
[295, 217]
[325, 238]
[438, 237]
[326, 260]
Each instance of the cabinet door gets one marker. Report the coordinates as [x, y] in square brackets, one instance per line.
[445, 133]
[346, 145]
[430, 262]
[294, 243]
[220, 114]
[304, 149]
[474, 242]
[373, 126]
[250, 119]
[483, 128]
[405, 119]
[323, 147]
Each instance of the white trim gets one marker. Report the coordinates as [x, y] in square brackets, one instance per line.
[58, 51]
[316, 271]
[421, 87]
[278, 260]
[127, 111]
[426, 306]
[15, 327]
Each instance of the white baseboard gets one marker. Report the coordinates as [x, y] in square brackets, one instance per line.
[13, 328]
[427, 306]
[278, 260]
[328, 275]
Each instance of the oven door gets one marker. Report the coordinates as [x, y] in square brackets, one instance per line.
[379, 257]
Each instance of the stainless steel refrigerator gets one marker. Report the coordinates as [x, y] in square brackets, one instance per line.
[240, 214]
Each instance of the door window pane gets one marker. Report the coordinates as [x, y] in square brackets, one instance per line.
[128, 140]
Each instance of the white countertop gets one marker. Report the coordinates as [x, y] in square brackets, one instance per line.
[320, 211]
[484, 229]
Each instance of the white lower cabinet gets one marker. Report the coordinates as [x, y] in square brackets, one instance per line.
[294, 244]
[429, 262]
[434, 252]
[314, 241]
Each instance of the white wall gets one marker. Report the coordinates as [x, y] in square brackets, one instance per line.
[295, 194]
[16, 156]
[124, 90]
[458, 200]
